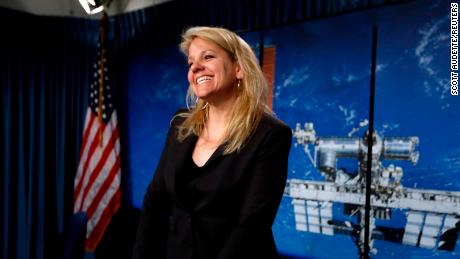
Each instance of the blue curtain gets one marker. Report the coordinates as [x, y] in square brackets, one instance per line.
[161, 25]
[45, 64]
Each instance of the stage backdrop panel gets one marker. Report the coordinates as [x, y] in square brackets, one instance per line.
[413, 99]
[157, 84]
[323, 76]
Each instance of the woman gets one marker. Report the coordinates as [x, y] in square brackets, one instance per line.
[222, 173]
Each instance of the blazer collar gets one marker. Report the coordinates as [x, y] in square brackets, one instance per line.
[186, 149]
[180, 152]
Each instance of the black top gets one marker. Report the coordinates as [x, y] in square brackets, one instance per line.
[185, 181]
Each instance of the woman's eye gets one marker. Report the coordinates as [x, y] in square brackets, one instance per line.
[190, 65]
[208, 57]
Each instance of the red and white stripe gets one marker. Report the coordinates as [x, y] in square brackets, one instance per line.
[97, 183]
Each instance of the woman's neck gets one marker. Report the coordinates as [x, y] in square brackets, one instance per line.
[218, 116]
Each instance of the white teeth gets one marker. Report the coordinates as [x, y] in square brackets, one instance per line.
[202, 79]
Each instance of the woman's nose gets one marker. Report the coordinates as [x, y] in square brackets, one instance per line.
[196, 66]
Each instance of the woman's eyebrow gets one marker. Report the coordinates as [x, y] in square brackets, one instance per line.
[201, 54]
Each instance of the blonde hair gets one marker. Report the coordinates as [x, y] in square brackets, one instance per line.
[252, 93]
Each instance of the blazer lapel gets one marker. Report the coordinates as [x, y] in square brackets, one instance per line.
[217, 153]
[179, 156]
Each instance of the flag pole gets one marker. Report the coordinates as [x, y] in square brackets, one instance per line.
[102, 24]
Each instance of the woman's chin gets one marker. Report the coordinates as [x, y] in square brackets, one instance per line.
[202, 94]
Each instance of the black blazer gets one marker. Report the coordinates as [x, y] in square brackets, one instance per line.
[235, 199]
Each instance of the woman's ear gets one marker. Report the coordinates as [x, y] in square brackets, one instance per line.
[238, 71]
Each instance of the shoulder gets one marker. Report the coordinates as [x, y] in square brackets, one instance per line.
[179, 116]
[272, 130]
[270, 124]
[176, 121]
[272, 136]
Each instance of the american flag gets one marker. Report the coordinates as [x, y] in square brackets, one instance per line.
[97, 183]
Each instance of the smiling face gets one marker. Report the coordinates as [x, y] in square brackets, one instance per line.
[212, 73]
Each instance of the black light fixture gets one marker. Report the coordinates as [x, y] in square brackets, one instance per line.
[94, 6]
